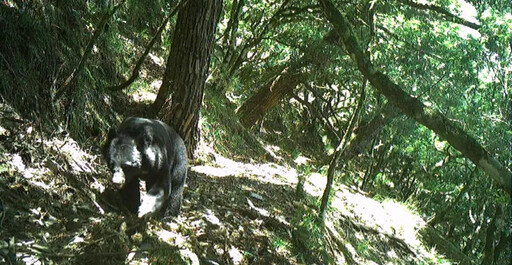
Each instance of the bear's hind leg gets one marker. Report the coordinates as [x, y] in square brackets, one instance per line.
[179, 177]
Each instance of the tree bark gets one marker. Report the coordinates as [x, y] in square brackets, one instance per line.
[187, 68]
[414, 108]
[254, 108]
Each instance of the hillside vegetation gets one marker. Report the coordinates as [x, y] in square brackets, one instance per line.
[319, 132]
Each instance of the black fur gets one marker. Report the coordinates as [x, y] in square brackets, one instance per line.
[152, 151]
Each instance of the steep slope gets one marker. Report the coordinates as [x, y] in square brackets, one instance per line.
[59, 208]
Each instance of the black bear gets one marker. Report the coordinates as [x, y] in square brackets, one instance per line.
[152, 151]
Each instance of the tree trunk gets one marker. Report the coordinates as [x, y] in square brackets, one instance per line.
[414, 108]
[489, 246]
[339, 152]
[254, 108]
[187, 68]
[330, 180]
[440, 216]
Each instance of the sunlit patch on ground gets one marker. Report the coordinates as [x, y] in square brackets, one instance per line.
[315, 184]
[378, 225]
[144, 96]
[57, 210]
[268, 172]
[389, 217]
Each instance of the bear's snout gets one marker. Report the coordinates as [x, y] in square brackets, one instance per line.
[118, 179]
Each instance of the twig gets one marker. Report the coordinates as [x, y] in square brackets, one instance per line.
[66, 86]
[136, 70]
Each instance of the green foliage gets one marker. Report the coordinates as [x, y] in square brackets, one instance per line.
[461, 72]
[308, 237]
[363, 247]
[223, 129]
[42, 44]
[458, 71]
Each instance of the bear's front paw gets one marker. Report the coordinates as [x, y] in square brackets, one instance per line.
[149, 205]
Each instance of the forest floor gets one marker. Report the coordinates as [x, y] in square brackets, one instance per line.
[58, 207]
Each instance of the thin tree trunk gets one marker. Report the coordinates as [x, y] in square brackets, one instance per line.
[374, 166]
[413, 107]
[503, 247]
[229, 38]
[369, 167]
[440, 216]
[489, 246]
[339, 153]
[187, 68]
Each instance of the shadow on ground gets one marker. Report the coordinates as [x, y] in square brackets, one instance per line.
[58, 207]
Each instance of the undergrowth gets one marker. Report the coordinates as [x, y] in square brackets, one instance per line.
[222, 129]
[309, 238]
[41, 45]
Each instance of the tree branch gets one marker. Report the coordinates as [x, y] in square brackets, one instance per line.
[136, 70]
[99, 30]
[318, 114]
[413, 107]
[443, 12]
